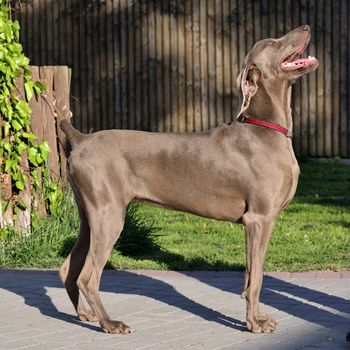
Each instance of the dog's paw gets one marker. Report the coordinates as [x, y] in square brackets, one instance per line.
[115, 327]
[262, 324]
[88, 316]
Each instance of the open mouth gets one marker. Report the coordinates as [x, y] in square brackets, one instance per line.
[291, 62]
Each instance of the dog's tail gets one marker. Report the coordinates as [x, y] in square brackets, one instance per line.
[73, 136]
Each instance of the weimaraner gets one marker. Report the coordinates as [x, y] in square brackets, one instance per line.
[244, 172]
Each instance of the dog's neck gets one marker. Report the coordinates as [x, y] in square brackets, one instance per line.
[272, 103]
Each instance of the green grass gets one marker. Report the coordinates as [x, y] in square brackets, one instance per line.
[312, 233]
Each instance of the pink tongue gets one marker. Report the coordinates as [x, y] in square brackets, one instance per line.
[300, 63]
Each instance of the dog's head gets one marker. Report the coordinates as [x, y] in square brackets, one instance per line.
[275, 60]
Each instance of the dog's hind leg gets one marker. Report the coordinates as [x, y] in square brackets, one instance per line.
[258, 231]
[106, 222]
[71, 268]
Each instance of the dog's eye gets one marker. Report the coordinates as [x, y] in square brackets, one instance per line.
[270, 42]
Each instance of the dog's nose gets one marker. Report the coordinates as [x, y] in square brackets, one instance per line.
[305, 28]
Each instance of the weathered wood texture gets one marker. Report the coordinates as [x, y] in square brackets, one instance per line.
[47, 111]
[171, 65]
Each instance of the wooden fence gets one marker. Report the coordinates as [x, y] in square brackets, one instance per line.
[171, 65]
[47, 111]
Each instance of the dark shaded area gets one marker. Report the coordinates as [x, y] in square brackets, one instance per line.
[324, 182]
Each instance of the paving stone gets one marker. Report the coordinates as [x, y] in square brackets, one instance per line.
[176, 310]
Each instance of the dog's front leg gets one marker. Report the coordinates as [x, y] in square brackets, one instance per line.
[258, 231]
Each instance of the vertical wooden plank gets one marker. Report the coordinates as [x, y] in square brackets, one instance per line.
[328, 78]
[280, 20]
[61, 88]
[56, 31]
[249, 24]
[234, 49]
[264, 19]
[42, 24]
[174, 69]
[256, 21]
[90, 125]
[272, 18]
[103, 80]
[211, 64]
[124, 61]
[320, 77]
[335, 78]
[62, 30]
[46, 76]
[23, 216]
[189, 71]
[166, 66]
[296, 103]
[312, 83]
[117, 64]
[96, 68]
[37, 127]
[219, 79]
[69, 12]
[227, 74]
[304, 110]
[242, 46]
[81, 121]
[35, 42]
[145, 61]
[159, 67]
[131, 65]
[344, 78]
[138, 65]
[110, 63]
[152, 87]
[75, 61]
[182, 117]
[287, 16]
[49, 32]
[204, 65]
[21, 8]
[196, 76]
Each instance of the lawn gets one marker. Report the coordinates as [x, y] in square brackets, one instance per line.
[312, 233]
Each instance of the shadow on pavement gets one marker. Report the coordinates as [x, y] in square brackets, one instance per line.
[31, 285]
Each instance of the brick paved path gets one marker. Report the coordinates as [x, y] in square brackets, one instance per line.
[171, 310]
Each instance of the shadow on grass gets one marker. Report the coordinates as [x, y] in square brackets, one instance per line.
[324, 183]
[138, 241]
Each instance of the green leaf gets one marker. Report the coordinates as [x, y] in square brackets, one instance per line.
[44, 150]
[32, 153]
[29, 135]
[28, 86]
[20, 184]
[7, 146]
[16, 125]
[39, 87]
[7, 127]
[10, 164]
[20, 147]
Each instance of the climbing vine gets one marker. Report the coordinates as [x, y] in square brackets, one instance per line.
[16, 139]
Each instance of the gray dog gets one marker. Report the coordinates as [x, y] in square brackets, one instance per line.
[244, 172]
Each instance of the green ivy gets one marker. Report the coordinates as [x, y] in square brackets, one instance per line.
[16, 138]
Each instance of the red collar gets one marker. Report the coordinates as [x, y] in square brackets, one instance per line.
[244, 119]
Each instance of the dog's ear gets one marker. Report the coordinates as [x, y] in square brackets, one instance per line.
[247, 83]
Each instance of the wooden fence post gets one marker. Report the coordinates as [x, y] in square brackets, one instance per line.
[24, 196]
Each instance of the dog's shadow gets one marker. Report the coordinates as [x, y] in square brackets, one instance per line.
[299, 301]
[279, 294]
